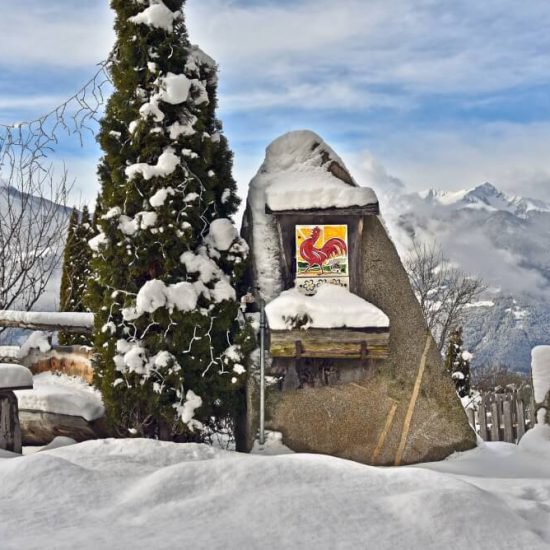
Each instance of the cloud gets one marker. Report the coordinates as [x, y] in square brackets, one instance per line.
[330, 96]
[512, 156]
[64, 33]
[416, 46]
[503, 253]
[26, 103]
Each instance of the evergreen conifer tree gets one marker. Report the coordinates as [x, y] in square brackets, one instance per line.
[457, 363]
[169, 348]
[76, 271]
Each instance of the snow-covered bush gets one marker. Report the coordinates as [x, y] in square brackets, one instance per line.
[457, 363]
[76, 272]
[169, 348]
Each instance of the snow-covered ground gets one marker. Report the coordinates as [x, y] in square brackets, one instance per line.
[138, 494]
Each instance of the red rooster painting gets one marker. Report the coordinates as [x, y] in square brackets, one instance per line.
[319, 256]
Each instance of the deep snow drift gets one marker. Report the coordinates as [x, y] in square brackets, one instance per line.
[137, 494]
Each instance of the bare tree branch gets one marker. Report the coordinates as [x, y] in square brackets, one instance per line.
[33, 199]
[442, 290]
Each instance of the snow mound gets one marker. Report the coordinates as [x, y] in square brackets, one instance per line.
[537, 441]
[272, 446]
[62, 394]
[9, 352]
[297, 173]
[36, 341]
[331, 307]
[14, 376]
[157, 15]
[113, 491]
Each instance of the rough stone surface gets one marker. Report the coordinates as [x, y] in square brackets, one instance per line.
[362, 415]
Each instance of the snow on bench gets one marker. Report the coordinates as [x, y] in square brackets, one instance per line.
[334, 323]
[14, 377]
[331, 307]
[61, 394]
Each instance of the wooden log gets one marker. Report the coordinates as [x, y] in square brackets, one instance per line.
[80, 323]
[482, 416]
[10, 430]
[495, 422]
[330, 344]
[40, 428]
[508, 421]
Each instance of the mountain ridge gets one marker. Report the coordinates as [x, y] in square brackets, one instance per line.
[502, 238]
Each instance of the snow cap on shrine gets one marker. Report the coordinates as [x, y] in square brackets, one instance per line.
[302, 172]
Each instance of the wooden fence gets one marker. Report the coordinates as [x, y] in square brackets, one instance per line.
[503, 416]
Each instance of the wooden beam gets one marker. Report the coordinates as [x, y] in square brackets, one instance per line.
[79, 323]
[368, 210]
[330, 344]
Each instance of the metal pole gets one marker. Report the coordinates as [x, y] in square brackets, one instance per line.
[262, 372]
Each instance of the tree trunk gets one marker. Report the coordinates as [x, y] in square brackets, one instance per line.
[10, 430]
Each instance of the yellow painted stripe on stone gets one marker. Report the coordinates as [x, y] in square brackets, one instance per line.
[414, 399]
[384, 434]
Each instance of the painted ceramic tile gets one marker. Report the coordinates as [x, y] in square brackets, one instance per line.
[322, 251]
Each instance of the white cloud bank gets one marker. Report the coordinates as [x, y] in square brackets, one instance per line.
[61, 34]
[419, 46]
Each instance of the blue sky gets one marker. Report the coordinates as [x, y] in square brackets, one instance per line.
[437, 93]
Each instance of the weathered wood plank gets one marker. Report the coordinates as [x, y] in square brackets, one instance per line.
[330, 344]
[520, 408]
[368, 210]
[508, 421]
[495, 422]
[482, 417]
[10, 430]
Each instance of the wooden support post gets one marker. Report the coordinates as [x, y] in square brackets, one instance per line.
[299, 349]
[10, 430]
[482, 416]
[508, 421]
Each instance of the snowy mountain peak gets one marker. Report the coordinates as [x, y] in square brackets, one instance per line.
[485, 197]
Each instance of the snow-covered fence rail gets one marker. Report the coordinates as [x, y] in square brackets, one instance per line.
[504, 416]
[48, 321]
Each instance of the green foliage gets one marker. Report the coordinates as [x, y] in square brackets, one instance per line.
[168, 340]
[457, 363]
[76, 272]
